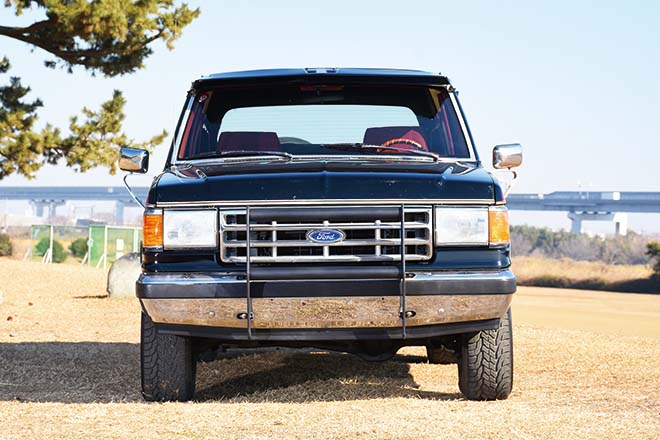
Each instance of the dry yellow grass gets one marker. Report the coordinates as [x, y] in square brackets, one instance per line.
[20, 247]
[551, 272]
[533, 267]
[69, 369]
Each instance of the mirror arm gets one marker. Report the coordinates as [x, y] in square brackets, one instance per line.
[511, 182]
[130, 191]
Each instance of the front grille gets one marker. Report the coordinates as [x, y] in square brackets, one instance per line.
[371, 234]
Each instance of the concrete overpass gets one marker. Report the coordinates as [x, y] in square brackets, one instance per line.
[579, 205]
[48, 198]
[590, 205]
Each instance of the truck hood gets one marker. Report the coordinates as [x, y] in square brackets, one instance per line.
[322, 181]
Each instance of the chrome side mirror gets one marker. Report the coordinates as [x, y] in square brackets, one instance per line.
[507, 156]
[134, 160]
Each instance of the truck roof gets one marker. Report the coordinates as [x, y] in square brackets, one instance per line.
[326, 74]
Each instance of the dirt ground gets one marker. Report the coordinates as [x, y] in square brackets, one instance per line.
[586, 367]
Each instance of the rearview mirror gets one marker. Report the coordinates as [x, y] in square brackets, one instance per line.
[507, 156]
[134, 160]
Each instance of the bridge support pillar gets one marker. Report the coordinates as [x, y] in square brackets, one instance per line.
[39, 205]
[619, 219]
[620, 223]
[119, 212]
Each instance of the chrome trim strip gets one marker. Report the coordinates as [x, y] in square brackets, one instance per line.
[350, 226]
[189, 279]
[295, 243]
[327, 202]
[328, 259]
[498, 275]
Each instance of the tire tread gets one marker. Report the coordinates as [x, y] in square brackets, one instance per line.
[485, 363]
[168, 367]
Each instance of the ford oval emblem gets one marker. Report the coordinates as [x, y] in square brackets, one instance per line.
[325, 236]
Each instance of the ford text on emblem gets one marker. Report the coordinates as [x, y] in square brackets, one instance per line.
[326, 236]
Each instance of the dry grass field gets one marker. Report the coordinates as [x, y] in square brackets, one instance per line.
[587, 367]
[564, 272]
[532, 267]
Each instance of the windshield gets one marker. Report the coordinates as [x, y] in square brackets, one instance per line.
[323, 120]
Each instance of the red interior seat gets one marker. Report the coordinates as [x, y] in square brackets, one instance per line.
[248, 141]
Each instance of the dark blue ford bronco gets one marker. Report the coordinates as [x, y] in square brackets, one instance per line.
[342, 209]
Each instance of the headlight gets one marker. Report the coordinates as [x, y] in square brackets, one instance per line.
[471, 226]
[190, 229]
[461, 226]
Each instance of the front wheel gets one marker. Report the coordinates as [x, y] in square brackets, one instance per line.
[167, 363]
[485, 362]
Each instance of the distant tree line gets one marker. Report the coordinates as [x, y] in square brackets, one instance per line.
[544, 242]
[653, 251]
[5, 245]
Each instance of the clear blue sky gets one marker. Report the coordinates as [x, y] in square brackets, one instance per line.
[575, 82]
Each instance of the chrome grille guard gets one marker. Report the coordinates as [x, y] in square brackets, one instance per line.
[376, 226]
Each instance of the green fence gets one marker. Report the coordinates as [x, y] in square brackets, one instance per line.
[108, 243]
[105, 244]
[40, 235]
[48, 241]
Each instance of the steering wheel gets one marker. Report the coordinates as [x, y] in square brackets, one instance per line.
[404, 141]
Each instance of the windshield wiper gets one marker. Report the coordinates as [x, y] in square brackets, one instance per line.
[241, 153]
[359, 146]
[187, 170]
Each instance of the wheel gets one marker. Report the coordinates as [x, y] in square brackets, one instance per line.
[167, 363]
[440, 355]
[485, 362]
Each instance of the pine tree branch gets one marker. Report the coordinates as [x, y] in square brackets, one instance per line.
[111, 41]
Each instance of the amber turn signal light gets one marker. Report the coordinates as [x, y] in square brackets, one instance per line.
[152, 229]
[498, 226]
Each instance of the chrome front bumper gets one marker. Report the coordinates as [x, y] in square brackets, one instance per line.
[219, 300]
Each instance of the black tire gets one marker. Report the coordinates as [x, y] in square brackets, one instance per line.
[167, 363]
[440, 355]
[485, 362]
